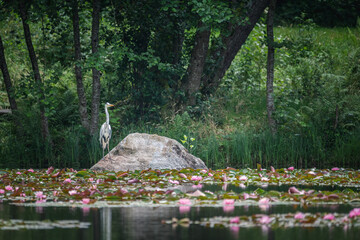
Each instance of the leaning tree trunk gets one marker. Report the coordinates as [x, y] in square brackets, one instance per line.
[95, 103]
[196, 65]
[270, 106]
[7, 80]
[44, 120]
[78, 73]
[231, 46]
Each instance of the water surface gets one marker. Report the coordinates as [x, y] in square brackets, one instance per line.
[146, 223]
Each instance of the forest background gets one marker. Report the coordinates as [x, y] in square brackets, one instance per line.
[236, 82]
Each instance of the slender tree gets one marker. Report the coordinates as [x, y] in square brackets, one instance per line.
[78, 73]
[7, 80]
[197, 62]
[270, 105]
[44, 120]
[95, 72]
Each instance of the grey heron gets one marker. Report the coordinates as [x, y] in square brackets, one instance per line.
[105, 130]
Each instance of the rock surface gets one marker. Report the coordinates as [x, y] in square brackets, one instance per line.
[140, 151]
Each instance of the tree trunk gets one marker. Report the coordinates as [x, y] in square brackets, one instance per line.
[270, 106]
[232, 44]
[44, 120]
[196, 65]
[7, 80]
[78, 73]
[95, 103]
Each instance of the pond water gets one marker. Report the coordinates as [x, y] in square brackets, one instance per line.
[132, 223]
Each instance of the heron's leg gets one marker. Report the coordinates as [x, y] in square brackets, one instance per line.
[109, 151]
[103, 152]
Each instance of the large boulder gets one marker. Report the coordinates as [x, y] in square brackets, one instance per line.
[140, 151]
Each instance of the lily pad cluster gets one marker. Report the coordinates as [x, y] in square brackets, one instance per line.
[86, 187]
[275, 220]
[16, 224]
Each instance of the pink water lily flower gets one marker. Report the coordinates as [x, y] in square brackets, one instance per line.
[203, 171]
[31, 170]
[210, 174]
[135, 180]
[312, 173]
[246, 196]
[224, 178]
[9, 188]
[265, 179]
[241, 185]
[182, 175]
[235, 220]
[184, 201]
[2, 191]
[335, 169]
[86, 200]
[174, 181]
[197, 186]
[228, 201]
[291, 168]
[196, 178]
[72, 192]
[18, 173]
[265, 219]
[68, 180]
[264, 201]
[354, 213]
[272, 169]
[345, 219]
[50, 170]
[243, 178]
[40, 195]
[124, 191]
[329, 217]
[296, 191]
[299, 215]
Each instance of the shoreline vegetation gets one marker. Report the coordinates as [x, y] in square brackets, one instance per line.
[316, 92]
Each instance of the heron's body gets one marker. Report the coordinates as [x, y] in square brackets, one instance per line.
[105, 130]
[105, 135]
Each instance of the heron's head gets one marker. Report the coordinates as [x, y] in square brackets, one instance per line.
[108, 105]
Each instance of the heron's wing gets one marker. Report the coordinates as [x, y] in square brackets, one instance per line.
[105, 135]
[102, 129]
[110, 131]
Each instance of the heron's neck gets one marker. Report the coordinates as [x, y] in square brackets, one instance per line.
[107, 116]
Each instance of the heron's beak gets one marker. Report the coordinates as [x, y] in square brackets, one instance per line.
[111, 105]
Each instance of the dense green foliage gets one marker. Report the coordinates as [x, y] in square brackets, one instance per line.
[316, 88]
[326, 13]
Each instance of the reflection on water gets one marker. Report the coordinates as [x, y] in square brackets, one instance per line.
[145, 223]
[106, 223]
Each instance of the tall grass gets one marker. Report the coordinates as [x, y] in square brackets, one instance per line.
[246, 149]
[238, 149]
